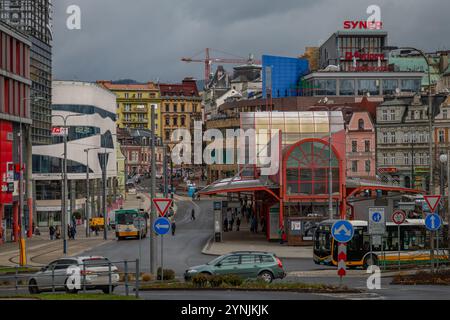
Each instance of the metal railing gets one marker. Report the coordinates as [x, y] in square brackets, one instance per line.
[74, 278]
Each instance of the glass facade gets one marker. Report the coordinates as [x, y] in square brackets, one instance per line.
[389, 86]
[409, 85]
[369, 86]
[48, 165]
[325, 87]
[307, 170]
[347, 87]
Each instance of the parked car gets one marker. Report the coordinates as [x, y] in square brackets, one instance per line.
[94, 272]
[246, 264]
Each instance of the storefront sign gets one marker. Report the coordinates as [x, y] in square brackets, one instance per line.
[363, 25]
[388, 170]
[59, 131]
[364, 56]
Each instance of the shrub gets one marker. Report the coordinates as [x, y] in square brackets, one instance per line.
[233, 280]
[147, 277]
[216, 281]
[200, 280]
[168, 274]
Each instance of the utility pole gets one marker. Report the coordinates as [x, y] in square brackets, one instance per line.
[88, 202]
[330, 169]
[104, 209]
[153, 244]
[65, 189]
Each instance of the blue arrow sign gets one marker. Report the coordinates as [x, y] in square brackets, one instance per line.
[161, 226]
[342, 231]
[433, 222]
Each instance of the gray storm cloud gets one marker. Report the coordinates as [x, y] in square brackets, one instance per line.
[145, 39]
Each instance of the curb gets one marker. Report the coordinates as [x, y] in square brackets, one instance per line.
[207, 246]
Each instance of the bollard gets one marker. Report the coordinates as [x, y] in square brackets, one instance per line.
[137, 278]
[16, 278]
[126, 278]
[109, 278]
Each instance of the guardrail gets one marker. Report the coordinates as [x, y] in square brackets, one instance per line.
[74, 278]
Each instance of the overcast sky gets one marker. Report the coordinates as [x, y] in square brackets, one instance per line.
[145, 39]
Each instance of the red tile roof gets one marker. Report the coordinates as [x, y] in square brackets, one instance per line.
[187, 88]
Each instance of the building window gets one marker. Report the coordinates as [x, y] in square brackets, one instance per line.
[367, 146]
[325, 87]
[355, 166]
[175, 108]
[368, 165]
[167, 135]
[444, 114]
[139, 95]
[393, 138]
[183, 121]
[354, 146]
[393, 162]
[385, 137]
[175, 121]
[384, 115]
[441, 136]
[392, 115]
[127, 95]
[361, 124]
[405, 137]
[385, 159]
[368, 86]
[406, 159]
[347, 87]
[389, 86]
[167, 121]
[182, 107]
[167, 107]
[127, 107]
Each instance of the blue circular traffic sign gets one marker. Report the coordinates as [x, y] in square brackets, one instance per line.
[342, 231]
[376, 217]
[433, 222]
[161, 226]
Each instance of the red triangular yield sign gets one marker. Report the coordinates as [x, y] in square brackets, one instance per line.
[162, 205]
[432, 201]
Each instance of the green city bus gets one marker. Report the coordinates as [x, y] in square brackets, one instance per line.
[414, 245]
[131, 223]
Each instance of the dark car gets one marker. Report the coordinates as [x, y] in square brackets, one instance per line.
[246, 264]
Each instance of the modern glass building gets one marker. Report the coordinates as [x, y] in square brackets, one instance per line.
[90, 112]
[282, 75]
[33, 17]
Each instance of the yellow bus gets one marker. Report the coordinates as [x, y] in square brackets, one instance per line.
[131, 223]
[415, 245]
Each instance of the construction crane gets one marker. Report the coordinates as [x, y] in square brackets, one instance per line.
[208, 61]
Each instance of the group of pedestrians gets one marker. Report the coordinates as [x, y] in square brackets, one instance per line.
[55, 233]
[228, 224]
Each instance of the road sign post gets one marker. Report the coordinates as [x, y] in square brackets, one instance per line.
[342, 232]
[161, 226]
[433, 222]
[399, 217]
[377, 226]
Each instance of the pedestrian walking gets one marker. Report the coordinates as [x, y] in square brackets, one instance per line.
[52, 231]
[225, 225]
[193, 214]
[58, 232]
[174, 227]
[231, 223]
[238, 223]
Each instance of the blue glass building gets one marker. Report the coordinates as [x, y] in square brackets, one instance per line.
[283, 75]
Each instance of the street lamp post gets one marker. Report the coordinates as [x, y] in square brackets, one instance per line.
[65, 189]
[88, 202]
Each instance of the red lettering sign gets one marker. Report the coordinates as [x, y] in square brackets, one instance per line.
[363, 25]
[364, 56]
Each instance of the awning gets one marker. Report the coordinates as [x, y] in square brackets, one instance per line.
[237, 184]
